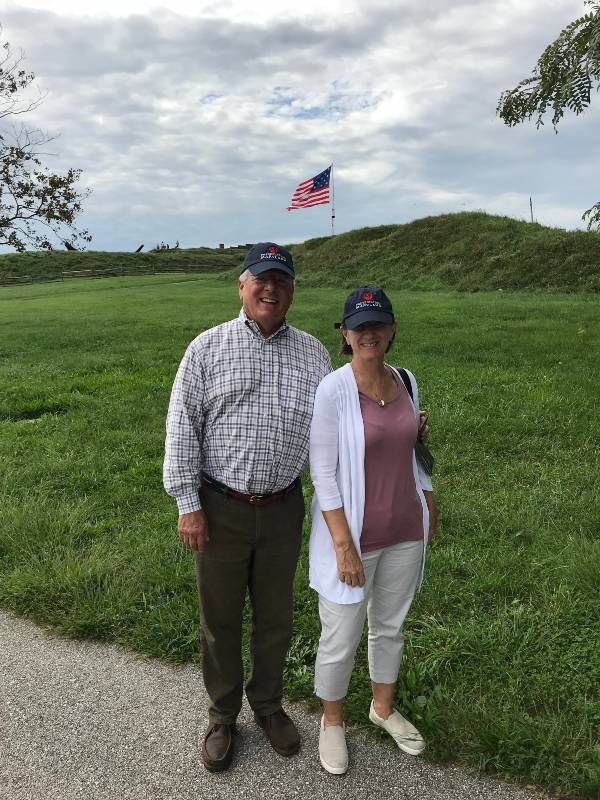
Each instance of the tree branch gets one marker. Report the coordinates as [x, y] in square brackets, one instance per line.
[563, 79]
[34, 201]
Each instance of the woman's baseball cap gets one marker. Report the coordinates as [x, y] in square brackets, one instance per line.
[367, 304]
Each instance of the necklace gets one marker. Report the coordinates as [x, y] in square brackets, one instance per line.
[376, 396]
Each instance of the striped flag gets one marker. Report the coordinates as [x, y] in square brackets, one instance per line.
[312, 192]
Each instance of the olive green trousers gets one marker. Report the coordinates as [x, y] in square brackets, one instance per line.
[251, 550]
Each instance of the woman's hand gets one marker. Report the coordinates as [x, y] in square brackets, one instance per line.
[349, 565]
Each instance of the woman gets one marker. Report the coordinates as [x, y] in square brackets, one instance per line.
[373, 514]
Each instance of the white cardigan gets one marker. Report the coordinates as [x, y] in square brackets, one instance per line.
[337, 456]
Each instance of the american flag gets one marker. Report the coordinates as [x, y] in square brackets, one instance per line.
[312, 192]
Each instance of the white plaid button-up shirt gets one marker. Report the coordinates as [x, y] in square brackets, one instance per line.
[240, 410]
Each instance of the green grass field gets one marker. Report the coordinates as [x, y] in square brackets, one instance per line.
[467, 252]
[502, 667]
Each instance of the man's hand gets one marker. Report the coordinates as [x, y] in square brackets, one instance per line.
[430, 500]
[349, 565]
[193, 529]
[423, 434]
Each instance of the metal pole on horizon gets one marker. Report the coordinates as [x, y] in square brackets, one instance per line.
[332, 201]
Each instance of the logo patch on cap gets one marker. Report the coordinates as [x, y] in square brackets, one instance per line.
[272, 249]
[367, 296]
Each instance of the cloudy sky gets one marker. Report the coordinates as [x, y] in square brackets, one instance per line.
[196, 120]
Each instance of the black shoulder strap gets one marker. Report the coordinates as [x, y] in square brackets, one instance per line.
[406, 382]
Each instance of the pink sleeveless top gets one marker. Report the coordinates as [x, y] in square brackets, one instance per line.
[393, 511]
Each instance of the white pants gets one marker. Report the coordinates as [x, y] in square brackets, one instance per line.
[391, 578]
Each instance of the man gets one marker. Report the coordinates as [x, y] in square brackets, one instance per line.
[237, 440]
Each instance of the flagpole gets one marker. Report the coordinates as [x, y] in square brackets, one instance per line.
[332, 202]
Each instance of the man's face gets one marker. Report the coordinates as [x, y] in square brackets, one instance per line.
[266, 298]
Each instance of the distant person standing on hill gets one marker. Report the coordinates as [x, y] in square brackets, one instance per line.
[237, 440]
[373, 514]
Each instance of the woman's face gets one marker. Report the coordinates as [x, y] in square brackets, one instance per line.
[371, 340]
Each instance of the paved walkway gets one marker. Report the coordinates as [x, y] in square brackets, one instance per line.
[80, 719]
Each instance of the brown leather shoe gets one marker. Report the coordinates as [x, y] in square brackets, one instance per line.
[281, 732]
[217, 747]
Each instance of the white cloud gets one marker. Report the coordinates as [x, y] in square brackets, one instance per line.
[233, 9]
[197, 121]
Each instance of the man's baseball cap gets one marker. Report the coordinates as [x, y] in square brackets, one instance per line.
[268, 255]
[367, 304]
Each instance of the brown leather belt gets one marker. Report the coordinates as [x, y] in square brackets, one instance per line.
[253, 499]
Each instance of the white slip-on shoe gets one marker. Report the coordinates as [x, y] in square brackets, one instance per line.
[333, 752]
[406, 736]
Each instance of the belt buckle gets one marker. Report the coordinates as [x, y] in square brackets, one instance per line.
[254, 499]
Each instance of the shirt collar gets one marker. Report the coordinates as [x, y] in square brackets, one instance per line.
[252, 326]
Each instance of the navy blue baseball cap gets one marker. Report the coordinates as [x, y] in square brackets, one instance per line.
[268, 255]
[367, 304]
